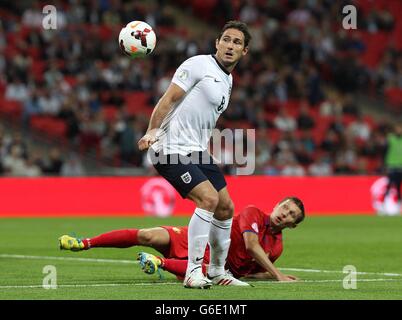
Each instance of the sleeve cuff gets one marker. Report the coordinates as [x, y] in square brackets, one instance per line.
[180, 84]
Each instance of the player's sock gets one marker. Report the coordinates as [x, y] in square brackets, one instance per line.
[177, 267]
[116, 239]
[198, 230]
[219, 242]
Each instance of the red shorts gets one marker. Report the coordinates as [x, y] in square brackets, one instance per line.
[178, 244]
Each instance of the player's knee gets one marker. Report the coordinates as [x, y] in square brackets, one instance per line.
[225, 210]
[209, 201]
[145, 237]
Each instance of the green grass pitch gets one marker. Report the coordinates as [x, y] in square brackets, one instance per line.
[316, 251]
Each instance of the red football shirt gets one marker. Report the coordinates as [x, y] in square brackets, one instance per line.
[251, 219]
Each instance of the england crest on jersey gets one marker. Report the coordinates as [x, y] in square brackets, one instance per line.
[186, 177]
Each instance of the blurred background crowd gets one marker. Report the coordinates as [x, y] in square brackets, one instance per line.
[321, 98]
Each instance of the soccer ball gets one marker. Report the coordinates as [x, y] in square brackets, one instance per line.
[137, 39]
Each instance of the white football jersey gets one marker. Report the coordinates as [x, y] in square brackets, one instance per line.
[188, 126]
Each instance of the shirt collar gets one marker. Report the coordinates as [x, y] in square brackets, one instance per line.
[267, 220]
[220, 65]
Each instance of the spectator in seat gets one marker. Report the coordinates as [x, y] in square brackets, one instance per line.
[293, 168]
[115, 98]
[331, 142]
[330, 107]
[17, 90]
[321, 167]
[349, 106]
[305, 147]
[69, 115]
[284, 122]
[31, 107]
[31, 168]
[337, 125]
[128, 143]
[49, 103]
[52, 166]
[341, 167]
[359, 129]
[271, 169]
[72, 167]
[13, 163]
[393, 161]
[304, 119]
[18, 142]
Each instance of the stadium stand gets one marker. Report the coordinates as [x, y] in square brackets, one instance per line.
[298, 86]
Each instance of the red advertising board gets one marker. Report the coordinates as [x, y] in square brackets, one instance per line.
[145, 196]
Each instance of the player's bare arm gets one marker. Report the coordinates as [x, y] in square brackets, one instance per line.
[255, 250]
[266, 276]
[172, 95]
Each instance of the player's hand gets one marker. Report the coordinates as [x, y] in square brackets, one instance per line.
[147, 140]
[283, 277]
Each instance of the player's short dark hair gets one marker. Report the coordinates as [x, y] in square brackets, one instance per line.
[299, 204]
[239, 25]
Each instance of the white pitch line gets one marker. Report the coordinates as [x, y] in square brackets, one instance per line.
[18, 256]
[329, 280]
[92, 285]
[388, 274]
[89, 285]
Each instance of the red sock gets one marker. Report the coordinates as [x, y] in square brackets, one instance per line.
[177, 267]
[116, 239]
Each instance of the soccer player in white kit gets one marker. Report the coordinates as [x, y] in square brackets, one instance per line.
[179, 131]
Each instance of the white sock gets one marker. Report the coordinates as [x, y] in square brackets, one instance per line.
[219, 242]
[198, 230]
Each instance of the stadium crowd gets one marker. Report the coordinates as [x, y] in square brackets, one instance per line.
[296, 87]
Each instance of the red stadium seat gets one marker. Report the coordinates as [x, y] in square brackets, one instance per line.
[56, 128]
[292, 106]
[244, 124]
[34, 52]
[321, 128]
[109, 112]
[2, 88]
[347, 119]
[370, 121]
[394, 96]
[137, 103]
[71, 80]
[49, 125]
[204, 8]
[273, 135]
[12, 108]
[38, 69]
[139, 97]
[375, 47]
[364, 6]
[373, 164]
[106, 32]
[136, 109]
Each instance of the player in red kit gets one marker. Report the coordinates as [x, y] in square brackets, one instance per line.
[256, 242]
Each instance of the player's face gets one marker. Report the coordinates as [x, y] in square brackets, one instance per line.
[285, 214]
[230, 47]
